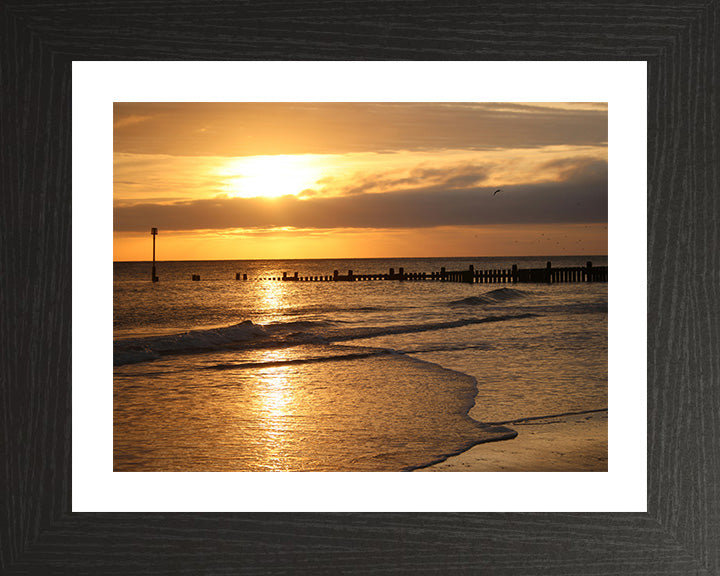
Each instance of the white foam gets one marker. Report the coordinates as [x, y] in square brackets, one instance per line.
[142, 349]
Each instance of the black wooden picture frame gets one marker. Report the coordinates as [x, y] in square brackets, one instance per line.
[680, 533]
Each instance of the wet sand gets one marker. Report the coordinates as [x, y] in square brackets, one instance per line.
[561, 444]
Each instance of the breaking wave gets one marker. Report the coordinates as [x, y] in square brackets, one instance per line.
[131, 350]
[492, 297]
[248, 335]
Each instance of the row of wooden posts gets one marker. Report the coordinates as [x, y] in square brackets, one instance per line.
[550, 275]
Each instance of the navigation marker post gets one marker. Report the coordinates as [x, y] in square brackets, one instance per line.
[154, 232]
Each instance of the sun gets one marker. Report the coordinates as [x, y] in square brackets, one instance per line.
[270, 176]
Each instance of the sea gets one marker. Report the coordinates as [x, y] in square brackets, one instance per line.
[266, 375]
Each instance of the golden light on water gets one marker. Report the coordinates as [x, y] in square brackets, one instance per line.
[275, 396]
[272, 402]
[275, 391]
[270, 176]
[273, 300]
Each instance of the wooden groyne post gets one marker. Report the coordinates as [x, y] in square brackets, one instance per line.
[154, 277]
[469, 276]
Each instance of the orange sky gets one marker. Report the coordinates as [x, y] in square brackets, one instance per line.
[321, 180]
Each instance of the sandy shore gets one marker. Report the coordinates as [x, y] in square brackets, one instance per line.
[562, 444]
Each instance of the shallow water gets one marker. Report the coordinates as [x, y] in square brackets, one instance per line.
[264, 375]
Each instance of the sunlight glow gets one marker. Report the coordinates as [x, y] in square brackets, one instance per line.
[275, 395]
[273, 300]
[270, 176]
[276, 398]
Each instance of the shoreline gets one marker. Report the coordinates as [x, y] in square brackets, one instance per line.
[572, 443]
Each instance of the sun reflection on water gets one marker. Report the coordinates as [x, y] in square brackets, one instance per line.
[274, 397]
[272, 300]
[275, 391]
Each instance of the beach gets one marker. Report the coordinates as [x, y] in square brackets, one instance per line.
[562, 444]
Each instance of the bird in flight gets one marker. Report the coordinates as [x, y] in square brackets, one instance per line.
[496, 191]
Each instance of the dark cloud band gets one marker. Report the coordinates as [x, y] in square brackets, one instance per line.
[581, 198]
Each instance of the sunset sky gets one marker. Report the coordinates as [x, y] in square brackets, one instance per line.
[346, 180]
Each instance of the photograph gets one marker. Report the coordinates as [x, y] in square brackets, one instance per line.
[360, 287]
[329, 248]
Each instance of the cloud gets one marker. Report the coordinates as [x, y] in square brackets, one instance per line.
[256, 128]
[125, 121]
[462, 175]
[582, 197]
[575, 167]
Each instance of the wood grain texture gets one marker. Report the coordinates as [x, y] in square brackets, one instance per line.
[681, 532]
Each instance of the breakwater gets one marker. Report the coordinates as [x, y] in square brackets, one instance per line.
[514, 275]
